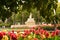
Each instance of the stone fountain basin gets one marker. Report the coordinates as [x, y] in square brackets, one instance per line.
[23, 26]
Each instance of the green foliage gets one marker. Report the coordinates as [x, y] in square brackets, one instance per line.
[20, 38]
[1, 25]
[4, 24]
[48, 28]
[58, 8]
[45, 8]
[53, 38]
[6, 7]
[38, 36]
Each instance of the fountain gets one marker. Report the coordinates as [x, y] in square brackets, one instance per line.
[30, 20]
[29, 23]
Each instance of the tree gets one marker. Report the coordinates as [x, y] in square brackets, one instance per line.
[7, 7]
[45, 7]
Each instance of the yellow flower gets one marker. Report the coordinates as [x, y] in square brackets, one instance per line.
[34, 36]
[18, 35]
[4, 30]
[5, 37]
[49, 35]
[29, 37]
[43, 36]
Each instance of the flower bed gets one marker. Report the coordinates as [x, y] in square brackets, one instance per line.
[32, 34]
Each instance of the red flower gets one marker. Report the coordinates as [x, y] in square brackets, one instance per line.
[53, 34]
[4, 33]
[57, 32]
[9, 33]
[27, 32]
[12, 31]
[47, 34]
[1, 35]
[45, 31]
[35, 39]
[24, 35]
[42, 31]
[39, 28]
[32, 30]
[13, 36]
[36, 32]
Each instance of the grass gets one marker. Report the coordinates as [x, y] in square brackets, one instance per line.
[10, 29]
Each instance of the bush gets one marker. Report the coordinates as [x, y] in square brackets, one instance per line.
[1, 24]
[48, 28]
[7, 25]
[4, 24]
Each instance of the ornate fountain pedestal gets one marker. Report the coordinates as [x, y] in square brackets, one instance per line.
[30, 20]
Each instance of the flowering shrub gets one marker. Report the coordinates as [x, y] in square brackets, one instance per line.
[32, 34]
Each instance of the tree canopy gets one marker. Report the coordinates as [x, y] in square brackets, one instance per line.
[44, 8]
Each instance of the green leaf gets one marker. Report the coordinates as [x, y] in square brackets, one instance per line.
[38, 36]
[20, 38]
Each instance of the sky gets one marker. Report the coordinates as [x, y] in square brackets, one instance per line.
[58, 0]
